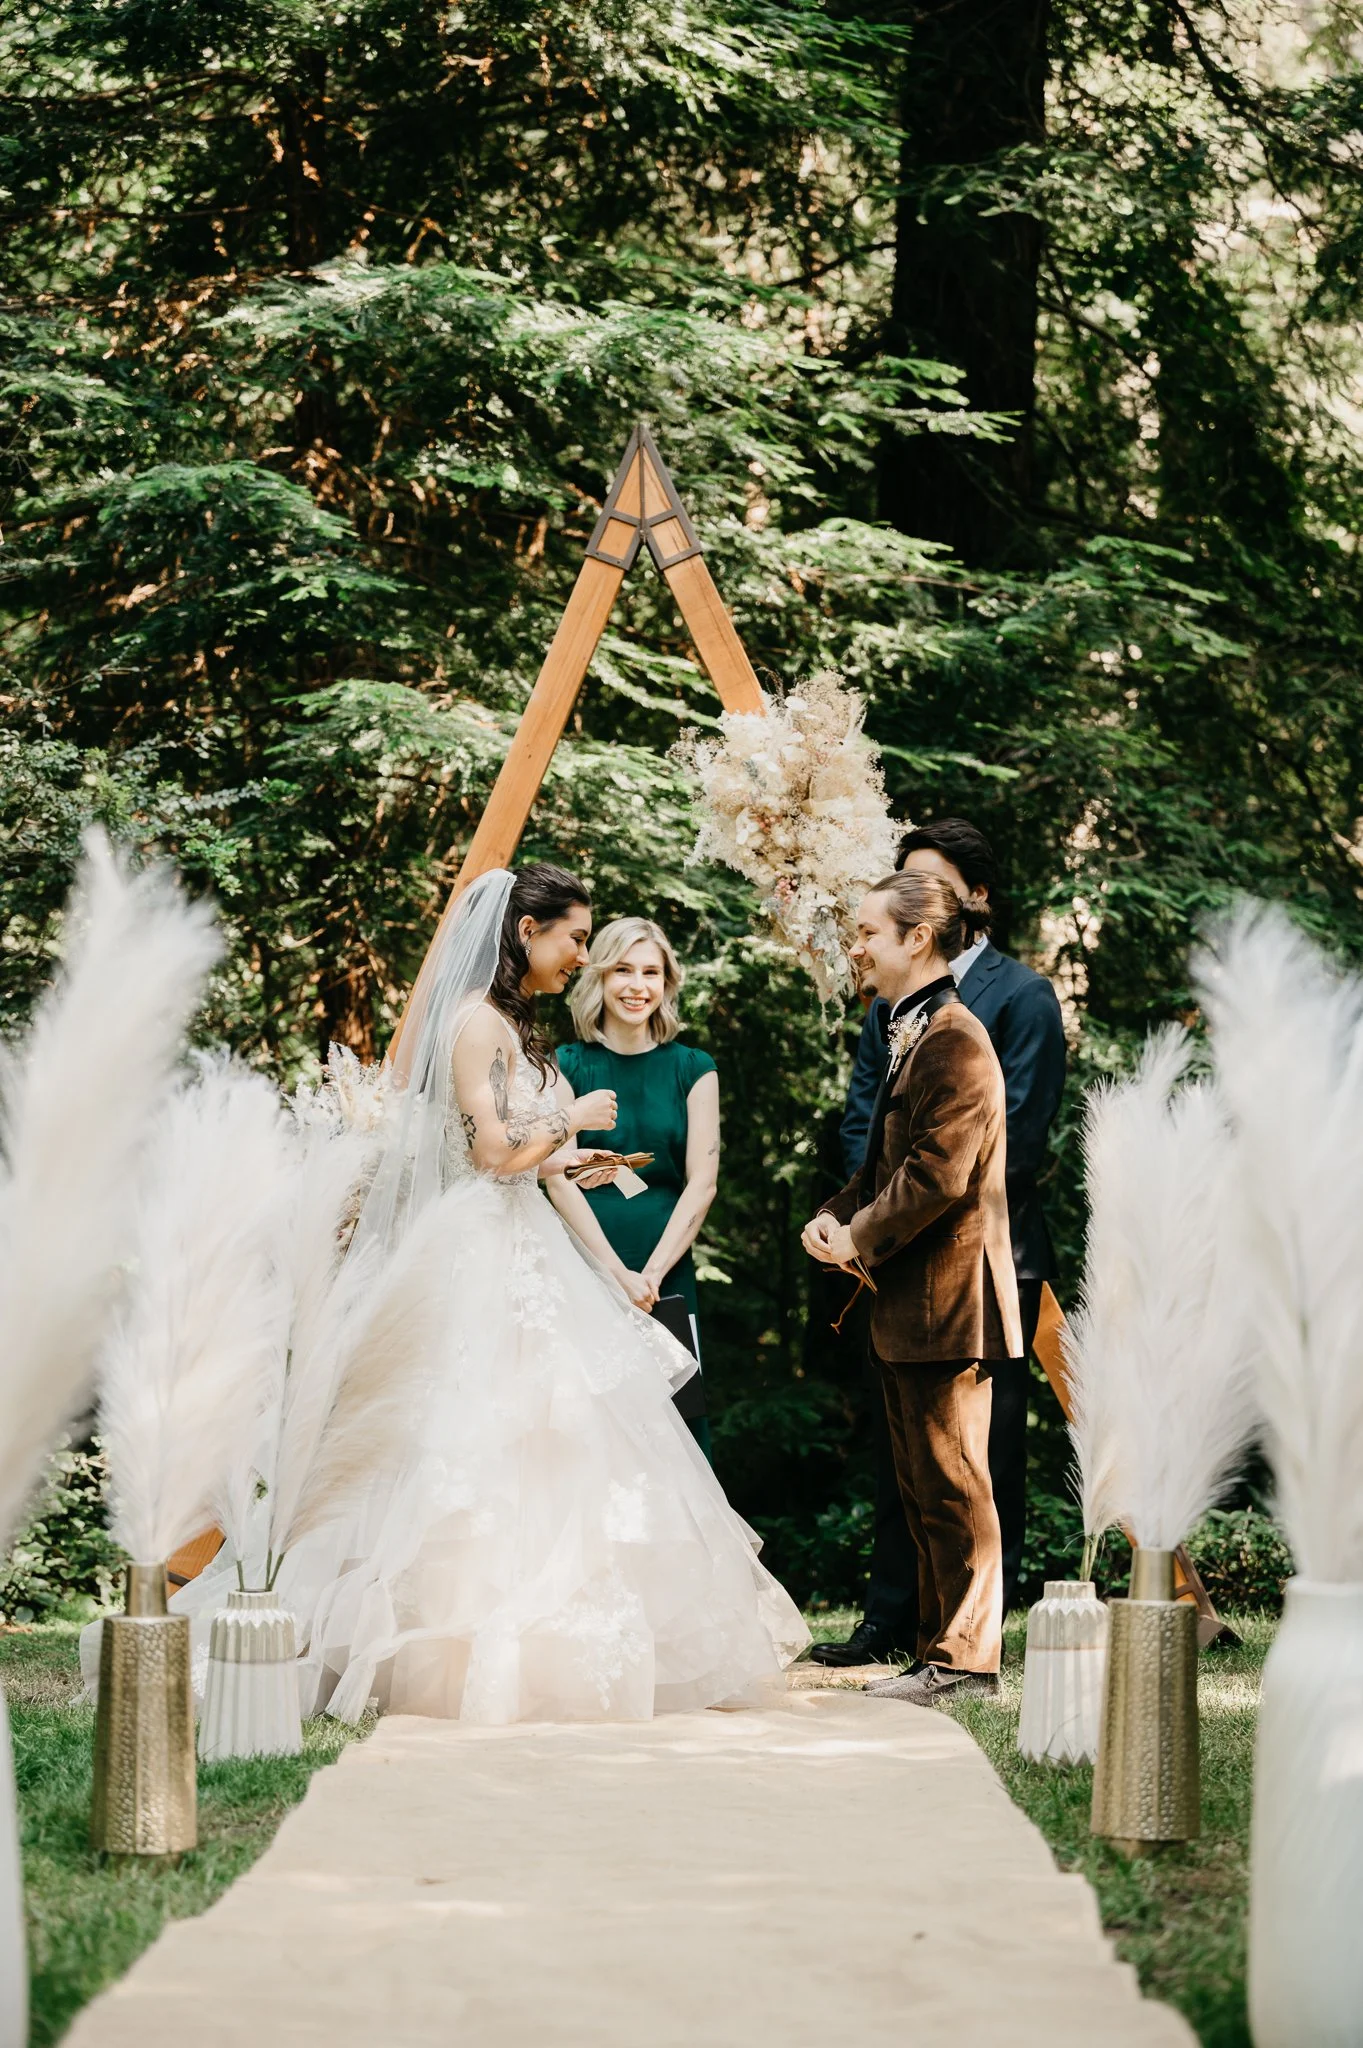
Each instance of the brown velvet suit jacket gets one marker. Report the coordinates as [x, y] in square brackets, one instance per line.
[934, 1234]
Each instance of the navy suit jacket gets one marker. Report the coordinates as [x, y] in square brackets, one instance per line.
[1021, 1013]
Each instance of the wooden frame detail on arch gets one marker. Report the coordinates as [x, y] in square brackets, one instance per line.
[642, 510]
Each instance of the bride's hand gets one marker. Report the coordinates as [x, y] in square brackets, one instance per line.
[595, 1112]
[573, 1155]
[603, 1175]
[641, 1292]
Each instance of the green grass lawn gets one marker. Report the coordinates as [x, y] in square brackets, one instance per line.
[89, 1918]
[1179, 1915]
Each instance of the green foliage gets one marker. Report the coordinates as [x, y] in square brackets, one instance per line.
[321, 331]
[1240, 1554]
[63, 1562]
[1243, 1560]
[825, 1554]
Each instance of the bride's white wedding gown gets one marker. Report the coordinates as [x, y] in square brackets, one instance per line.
[558, 1548]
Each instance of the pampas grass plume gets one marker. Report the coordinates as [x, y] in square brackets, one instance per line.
[364, 1321]
[76, 1100]
[1287, 1032]
[327, 1288]
[193, 1374]
[1157, 1355]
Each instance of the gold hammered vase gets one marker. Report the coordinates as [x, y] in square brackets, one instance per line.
[144, 1796]
[1146, 1784]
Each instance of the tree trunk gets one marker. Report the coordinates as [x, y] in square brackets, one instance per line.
[345, 1008]
[302, 118]
[965, 278]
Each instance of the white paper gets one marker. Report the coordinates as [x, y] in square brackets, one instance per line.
[629, 1183]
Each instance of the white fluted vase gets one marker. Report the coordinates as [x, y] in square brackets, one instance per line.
[1306, 1844]
[1062, 1678]
[13, 1949]
[251, 1695]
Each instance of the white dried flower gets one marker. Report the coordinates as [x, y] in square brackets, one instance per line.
[350, 1097]
[795, 801]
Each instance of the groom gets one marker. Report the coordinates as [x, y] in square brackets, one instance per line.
[928, 1216]
[1019, 1010]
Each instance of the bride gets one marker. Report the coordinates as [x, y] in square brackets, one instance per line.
[557, 1548]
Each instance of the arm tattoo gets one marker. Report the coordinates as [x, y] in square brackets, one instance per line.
[496, 1074]
[521, 1130]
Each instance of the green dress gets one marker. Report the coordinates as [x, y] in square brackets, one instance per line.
[650, 1092]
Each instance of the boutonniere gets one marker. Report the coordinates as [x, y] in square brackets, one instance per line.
[905, 1035]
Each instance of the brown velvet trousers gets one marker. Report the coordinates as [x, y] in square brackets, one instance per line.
[939, 1433]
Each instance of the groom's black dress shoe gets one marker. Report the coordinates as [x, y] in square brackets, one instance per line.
[867, 1644]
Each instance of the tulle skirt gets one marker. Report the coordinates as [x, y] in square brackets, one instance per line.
[556, 1548]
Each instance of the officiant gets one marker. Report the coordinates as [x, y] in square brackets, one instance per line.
[925, 1226]
[1020, 1011]
[624, 1009]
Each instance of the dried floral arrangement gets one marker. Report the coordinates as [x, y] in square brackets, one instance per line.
[795, 801]
[350, 1096]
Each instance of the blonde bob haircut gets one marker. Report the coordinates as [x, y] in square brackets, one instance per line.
[588, 999]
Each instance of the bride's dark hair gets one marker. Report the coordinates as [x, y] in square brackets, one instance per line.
[545, 893]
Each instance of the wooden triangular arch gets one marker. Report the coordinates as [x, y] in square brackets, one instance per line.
[642, 509]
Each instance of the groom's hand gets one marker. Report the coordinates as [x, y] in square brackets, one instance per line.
[828, 1241]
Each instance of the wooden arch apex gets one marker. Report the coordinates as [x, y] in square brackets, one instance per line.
[642, 510]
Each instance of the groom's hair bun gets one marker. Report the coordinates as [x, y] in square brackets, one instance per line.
[926, 899]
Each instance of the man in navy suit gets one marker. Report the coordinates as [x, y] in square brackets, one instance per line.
[1022, 1016]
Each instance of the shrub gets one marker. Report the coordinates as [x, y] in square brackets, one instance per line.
[64, 1559]
[1243, 1558]
[822, 1561]
[1239, 1552]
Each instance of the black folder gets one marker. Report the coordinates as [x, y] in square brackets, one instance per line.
[671, 1311]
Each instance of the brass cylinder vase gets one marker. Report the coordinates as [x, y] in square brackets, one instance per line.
[1146, 1784]
[144, 1794]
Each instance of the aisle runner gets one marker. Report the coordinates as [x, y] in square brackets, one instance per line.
[709, 1880]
